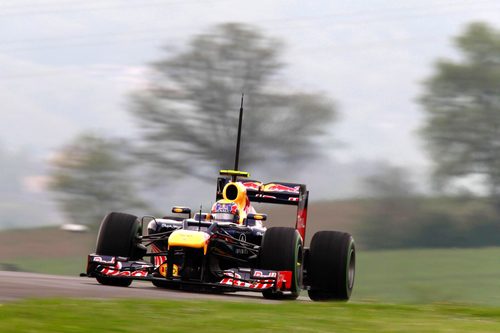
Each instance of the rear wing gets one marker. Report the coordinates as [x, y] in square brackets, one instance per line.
[275, 193]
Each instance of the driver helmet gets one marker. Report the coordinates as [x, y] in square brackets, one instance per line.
[225, 211]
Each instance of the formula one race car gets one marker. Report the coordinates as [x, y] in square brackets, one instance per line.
[227, 249]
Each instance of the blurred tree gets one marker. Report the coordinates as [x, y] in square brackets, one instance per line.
[390, 220]
[398, 217]
[188, 113]
[390, 182]
[462, 104]
[92, 177]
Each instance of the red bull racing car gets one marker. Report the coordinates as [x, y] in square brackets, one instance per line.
[229, 248]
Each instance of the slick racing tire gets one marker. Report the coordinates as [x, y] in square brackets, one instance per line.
[118, 237]
[331, 268]
[282, 250]
[110, 281]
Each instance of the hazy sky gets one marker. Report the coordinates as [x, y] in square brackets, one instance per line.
[67, 66]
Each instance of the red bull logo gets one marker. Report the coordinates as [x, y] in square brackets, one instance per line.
[281, 188]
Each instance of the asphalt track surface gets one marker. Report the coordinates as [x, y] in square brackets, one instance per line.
[20, 285]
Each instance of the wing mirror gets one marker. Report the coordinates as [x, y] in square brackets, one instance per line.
[182, 210]
[257, 217]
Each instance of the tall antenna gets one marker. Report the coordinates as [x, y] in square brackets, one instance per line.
[237, 157]
[199, 218]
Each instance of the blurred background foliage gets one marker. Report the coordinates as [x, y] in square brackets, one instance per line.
[188, 115]
[398, 217]
[461, 130]
[462, 108]
[93, 176]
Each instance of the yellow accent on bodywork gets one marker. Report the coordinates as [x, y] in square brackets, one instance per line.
[181, 210]
[241, 197]
[240, 200]
[164, 267]
[234, 173]
[189, 238]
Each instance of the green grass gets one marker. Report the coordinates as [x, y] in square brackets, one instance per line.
[71, 266]
[196, 316]
[431, 275]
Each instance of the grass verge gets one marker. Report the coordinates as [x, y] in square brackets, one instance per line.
[69, 315]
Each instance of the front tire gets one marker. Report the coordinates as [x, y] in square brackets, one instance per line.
[116, 282]
[332, 262]
[281, 250]
[118, 238]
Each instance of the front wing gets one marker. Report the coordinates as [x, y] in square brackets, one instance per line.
[235, 279]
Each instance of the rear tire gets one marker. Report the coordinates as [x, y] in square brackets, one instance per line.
[332, 261]
[117, 237]
[281, 250]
